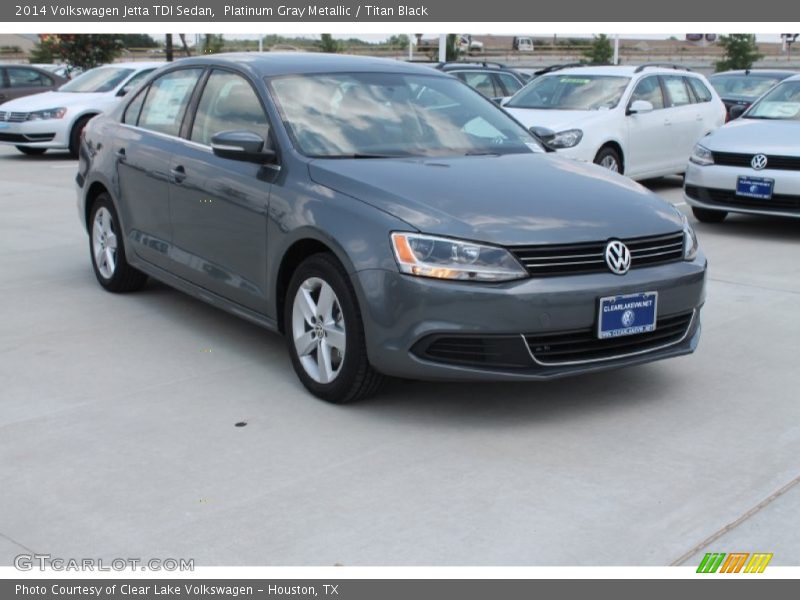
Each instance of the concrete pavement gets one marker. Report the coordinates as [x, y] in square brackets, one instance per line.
[118, 436]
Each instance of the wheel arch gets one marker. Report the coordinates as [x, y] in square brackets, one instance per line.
[617, 147]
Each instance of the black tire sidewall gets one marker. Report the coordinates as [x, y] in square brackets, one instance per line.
[327, 268]
[75, 136]
[606, 151]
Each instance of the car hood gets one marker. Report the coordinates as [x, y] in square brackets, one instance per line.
[557, 120]
[57, 99]
[508, 199]
[756, 135]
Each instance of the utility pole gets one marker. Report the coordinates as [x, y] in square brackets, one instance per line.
[168, 47]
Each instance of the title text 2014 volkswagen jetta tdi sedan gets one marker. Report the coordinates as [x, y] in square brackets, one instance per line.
[386, 218]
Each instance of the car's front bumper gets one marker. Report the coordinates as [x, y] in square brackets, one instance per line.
[48, 133]
[713, 187]
[402, 314]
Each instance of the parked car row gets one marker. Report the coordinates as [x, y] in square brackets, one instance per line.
[389, 221]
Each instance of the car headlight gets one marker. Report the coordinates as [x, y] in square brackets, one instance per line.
[566, 139]
[49, 113]
[690, 244]
[443, 258]
[701, 155]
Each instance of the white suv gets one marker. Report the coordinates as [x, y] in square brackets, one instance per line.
[641, 121]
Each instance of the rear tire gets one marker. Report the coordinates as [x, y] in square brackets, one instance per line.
[31, 151]
[705, 215]
[107, 250]
[75, 136]
[610, 159]
[329, 354]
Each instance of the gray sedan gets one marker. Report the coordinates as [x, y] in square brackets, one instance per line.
[387, 219]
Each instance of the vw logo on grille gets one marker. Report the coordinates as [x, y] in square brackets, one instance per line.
[759, 162]
[618, 257]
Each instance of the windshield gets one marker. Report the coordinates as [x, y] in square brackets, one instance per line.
[376, 115]
[742, 87]
[783, 102]
[571, 92]
[101, 79]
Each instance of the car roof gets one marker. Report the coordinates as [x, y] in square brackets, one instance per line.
[473, 66]
[265, 64]
[758, 72]
[618, 70]
[138, 65]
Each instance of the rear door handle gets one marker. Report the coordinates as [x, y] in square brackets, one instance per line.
[121, 154]
[178, 173]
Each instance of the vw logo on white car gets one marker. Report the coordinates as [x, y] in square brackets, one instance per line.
[618, 257]
[759, 162]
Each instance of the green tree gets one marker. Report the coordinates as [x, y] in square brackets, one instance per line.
[600, 52]
[328, 44]
[213, 43]
[137, 40]
[398, 41]
[741, 51]
[84, 51]
[41, 53]
[452, 50]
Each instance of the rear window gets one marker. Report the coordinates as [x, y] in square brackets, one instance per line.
[743, 87]
[701, 92]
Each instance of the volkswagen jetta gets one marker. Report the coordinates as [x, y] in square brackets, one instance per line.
[387, 219]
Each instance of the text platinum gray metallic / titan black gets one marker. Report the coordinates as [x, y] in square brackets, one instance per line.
[388, 220]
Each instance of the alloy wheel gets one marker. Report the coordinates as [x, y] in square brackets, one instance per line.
[318, 330]
[104, 243]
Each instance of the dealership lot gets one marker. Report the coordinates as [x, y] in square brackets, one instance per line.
[118, 433]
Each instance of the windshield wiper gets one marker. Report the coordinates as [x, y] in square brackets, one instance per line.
[481, 153]
[363, 155]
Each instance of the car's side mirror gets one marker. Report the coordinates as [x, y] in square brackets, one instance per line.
[242, 145]
[640, 106]
[544, 135]
[736, 111]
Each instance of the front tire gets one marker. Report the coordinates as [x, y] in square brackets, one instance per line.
[107, 249]
[325, 333]
[705, 215]
[31, 151]
[75, 136]
[608, 158]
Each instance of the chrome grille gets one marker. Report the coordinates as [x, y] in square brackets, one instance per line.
[571, 259]
[13, 117]
[733, 159]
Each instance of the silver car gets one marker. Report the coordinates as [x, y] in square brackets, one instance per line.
[387, 219]
[752, 164]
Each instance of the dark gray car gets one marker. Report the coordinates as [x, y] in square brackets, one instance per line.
[387, 219]
[17, 81]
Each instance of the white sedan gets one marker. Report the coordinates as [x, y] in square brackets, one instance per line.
[752, 164]
[55, 119]
[641, 121]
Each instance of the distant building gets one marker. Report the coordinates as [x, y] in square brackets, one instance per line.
[25, 42]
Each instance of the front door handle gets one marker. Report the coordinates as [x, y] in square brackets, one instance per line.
[121, 154]
[178, 173]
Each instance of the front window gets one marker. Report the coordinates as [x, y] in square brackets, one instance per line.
[571, 92]
[783, 102]
[743, 87]
[376, 115]
[101, 79]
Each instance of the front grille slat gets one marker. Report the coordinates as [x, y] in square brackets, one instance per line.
[574, 259]
[584, 345]
[735, 159]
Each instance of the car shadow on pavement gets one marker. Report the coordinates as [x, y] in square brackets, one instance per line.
[754, 227]
[49, 156]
